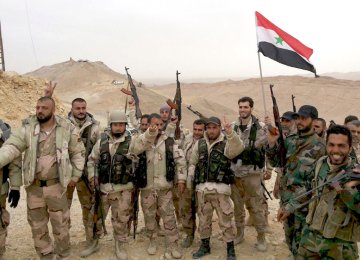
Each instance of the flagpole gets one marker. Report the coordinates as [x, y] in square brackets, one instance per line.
[262, 85]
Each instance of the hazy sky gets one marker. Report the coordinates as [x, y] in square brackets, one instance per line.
[200, 38]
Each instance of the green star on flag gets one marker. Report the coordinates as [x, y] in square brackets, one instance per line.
[279, 40]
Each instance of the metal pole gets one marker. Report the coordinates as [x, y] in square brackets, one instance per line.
[262, 85]
[2, 51]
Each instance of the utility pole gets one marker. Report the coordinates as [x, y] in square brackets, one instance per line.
[2, 58]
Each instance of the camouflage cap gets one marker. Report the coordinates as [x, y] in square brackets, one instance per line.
[213, 120]
[308, 111]
[289, 115]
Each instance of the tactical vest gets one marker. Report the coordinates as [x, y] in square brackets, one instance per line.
[329, 215]
[252, 155]
[141, 170]
[118, 169]
[214, 167]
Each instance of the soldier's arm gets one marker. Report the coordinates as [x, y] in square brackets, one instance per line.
[170, 129]
[15, 173]
[76, 154]
[261, 137]
[194, 159]
[132, 117]
[142, 142]
[13, 147]
[93, 158]
[350, 195]
[180, 162]
[234, 145]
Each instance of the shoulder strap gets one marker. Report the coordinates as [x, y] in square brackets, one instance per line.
[104, 143]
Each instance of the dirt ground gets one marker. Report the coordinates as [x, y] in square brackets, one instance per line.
[20, 244]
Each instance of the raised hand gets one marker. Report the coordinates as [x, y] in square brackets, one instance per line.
[49, 88]
[153, 128]
[174, 119]
[227, 126]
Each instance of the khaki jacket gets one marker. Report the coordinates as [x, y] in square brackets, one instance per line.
[95, 127]
[234, 146]
[156, 165]
[69, 147]
[139, 143]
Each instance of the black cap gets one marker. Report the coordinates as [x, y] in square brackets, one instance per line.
[213, 120]
[289, 115]
[308, 111]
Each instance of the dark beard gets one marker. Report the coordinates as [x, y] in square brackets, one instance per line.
[117, 135]
[306, 130]
[44, 120]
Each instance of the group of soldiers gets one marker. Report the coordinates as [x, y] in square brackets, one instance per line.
[220, 166]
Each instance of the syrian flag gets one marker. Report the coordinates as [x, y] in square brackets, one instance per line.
[280, 46]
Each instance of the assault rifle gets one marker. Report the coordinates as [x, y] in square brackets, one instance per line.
[266, 191]
[136, 199]
[196, 112]
[132, 93]
[281, 141]
[341, 178]
[176, 104]
[293, 103]
[98, 205]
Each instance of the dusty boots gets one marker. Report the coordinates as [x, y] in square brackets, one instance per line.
[173, 251]
[152, 248]
[187, 242]
[261, 243]
[204, 249]
[120, 250]
[231, 251]
[249, 221]
[92, 247]
[239, 235]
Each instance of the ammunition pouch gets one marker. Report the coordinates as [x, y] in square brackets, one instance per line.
[170, 162]
[252, 156]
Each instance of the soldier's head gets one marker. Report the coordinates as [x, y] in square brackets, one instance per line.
[213, 128]
[144, 122]
[45, 109]
[117, 121]
[155, 120]
[78, 109]
[246, 105]
[350, 118]
[287, 121]
[198, 129]
[319, 125]
[354, 127]
[306, 115]
[164, 112]
[338, 144]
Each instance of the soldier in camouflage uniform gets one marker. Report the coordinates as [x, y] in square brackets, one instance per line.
[332, 225]
[54, 159]
[88, 129]
[113, 153]
[319, 125]
[13, 173]
[354, 127]
[186, 195]
[249, 168]
[162, 162]
[302, 151]
[209, 169]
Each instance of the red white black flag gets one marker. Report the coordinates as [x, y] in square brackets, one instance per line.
[280, 46]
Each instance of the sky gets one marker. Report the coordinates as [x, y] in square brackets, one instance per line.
[200, 38]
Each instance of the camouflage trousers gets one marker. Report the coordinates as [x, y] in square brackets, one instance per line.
[160, 201]
[247, 191]
[121, 206]
[225, 211]
[44, 203]
[85, 198]
[6, 220]
[314, 246]
[176, 201]
[292, 228]
[188, 222]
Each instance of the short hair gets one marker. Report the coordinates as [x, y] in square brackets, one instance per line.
[355, 123]
[154, 115]
[350, 118]
[146, 116]
[322, 120]
[339, 129]
[199, 122]
[45, 98]
[80, 100]
[246, 99]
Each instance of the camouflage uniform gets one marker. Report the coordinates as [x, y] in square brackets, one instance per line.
[156, 196]
[355, 153]
[302, 151]
[89, 132]
[117, 194]
[13, 172]
[51, 160]
[332, 224]
[247, 189]
[215, 195]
